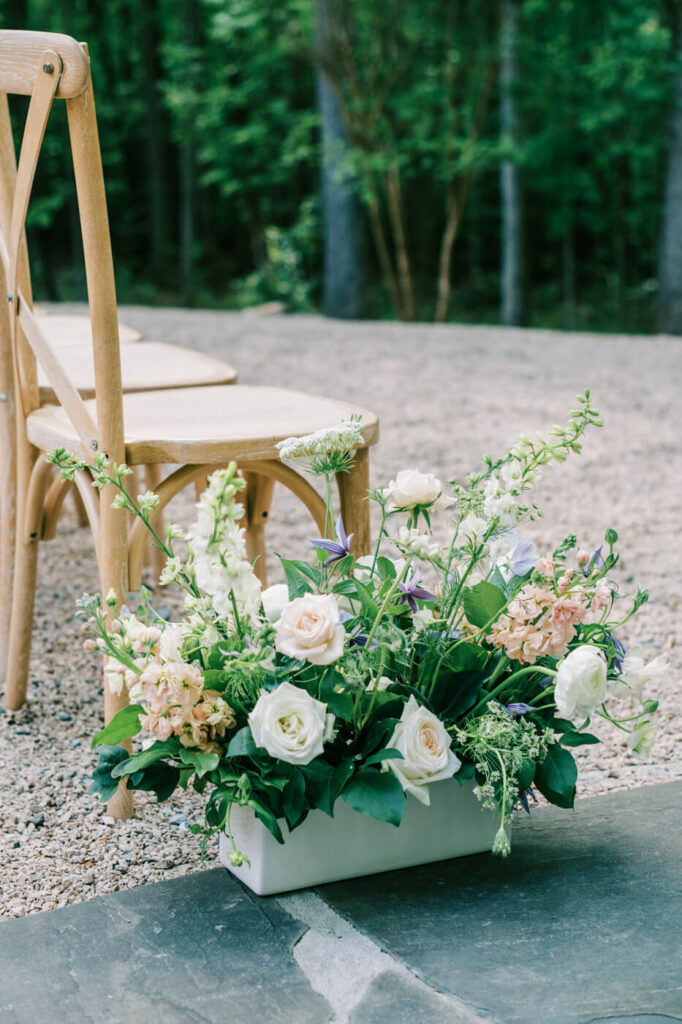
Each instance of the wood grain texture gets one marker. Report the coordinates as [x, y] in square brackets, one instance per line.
[21, 60]
[207, 425]
[70, 330]
[150, 366]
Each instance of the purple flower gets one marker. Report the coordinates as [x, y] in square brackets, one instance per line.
[523, 557]
[596, 561]
[336, 551]
[412, 592]
[360, 640]
[519, 709]
[524, 798]
[621, 651]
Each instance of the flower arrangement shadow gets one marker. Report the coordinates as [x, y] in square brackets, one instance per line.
[367, 679]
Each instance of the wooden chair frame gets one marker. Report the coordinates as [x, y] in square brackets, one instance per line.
[46, 67]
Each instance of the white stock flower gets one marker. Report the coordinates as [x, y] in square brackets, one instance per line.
[642, 738]
[290, 724]
[420, 544]
[379, 684]
[637, 674]
[411, 488]
[116, 674]
[310, 629]
[580, 682]
[500, 505]
[425, 745]
[170, 644]
[473, 528]
[275, 599]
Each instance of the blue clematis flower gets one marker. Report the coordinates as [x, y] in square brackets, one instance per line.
[519, 709]
[524, 798]
[337, 549]
[523, 557]
[596, 561]
[411, 592]
[621, 651]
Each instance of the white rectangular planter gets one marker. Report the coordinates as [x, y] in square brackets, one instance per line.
[350, 844]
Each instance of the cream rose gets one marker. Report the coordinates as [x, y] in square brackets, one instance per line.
[580, 682]
[411, 488]
[275, 599]
[425, 745]
[310, 629]
[290, 724]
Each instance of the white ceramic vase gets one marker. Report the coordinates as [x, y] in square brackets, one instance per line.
[350, 844]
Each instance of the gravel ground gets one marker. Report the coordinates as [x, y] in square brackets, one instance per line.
[444, 396]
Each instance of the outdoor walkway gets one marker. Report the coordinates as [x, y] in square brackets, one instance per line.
[580, 926]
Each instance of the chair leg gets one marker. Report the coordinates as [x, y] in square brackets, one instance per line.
[79, 508]
[28, 510]
[353, 488]
[259, 491]
[200, 485]
[8, 520]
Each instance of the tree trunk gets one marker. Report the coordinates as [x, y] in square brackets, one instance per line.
[670, 253]
[343, 280]
[186, 174]
[510, 188]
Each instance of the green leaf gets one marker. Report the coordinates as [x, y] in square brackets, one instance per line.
[556, 777]
[369, 606]
[378, 794]
[386, 568]
[161, 779]
[103, 781]
[242, 744]
[482, 603]
[578, 739]
[201, 762]
[123, 726]
[299, 576]
[216, 679]
[293, 801]
[265, 815]
[139, 761]
[386, 754]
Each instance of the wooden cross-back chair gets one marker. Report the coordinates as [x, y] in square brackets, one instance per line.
[196, 429]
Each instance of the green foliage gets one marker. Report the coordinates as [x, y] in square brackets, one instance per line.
[556, 777]
[123, 726]
[209, 133]
[378, 794]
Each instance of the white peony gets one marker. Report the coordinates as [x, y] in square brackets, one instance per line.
[642, 737]
[310, 629]
[425, 745]
[275, 599]
[411, 488]
[290, 724]
[580, 682]
[637, 674]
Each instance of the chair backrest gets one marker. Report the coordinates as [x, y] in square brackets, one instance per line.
[47, 66]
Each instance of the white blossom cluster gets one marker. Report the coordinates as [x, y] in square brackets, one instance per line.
[218, 547]
[324, 451]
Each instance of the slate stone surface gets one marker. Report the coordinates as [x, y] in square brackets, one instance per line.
[194, 950]
[581, 924]
[392, 1000]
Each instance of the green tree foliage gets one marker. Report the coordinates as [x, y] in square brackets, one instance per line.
[209, 132]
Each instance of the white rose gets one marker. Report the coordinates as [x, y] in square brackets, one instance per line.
[310, 629]
[425, 745]
[580, 682]
[641, 739]
[411, 488]
[290, 724]
[275, 599]
[170, 643]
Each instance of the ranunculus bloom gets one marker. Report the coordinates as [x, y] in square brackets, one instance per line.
[290, 724]
[411, 488]
[310, 629]
[642, 737]
[425, 745]
[275, 599]
[580, 682]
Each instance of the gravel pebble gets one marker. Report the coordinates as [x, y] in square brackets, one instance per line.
[444, 395]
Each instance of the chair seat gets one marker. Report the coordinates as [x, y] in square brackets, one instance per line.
[71, 329]
[204, 425]
[152, 365]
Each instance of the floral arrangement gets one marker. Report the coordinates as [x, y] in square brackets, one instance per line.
[369, 678]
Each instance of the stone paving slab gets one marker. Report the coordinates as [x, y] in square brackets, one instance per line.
[582, 924]
[193, 950]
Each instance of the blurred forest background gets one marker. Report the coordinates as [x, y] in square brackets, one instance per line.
[476, 160]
